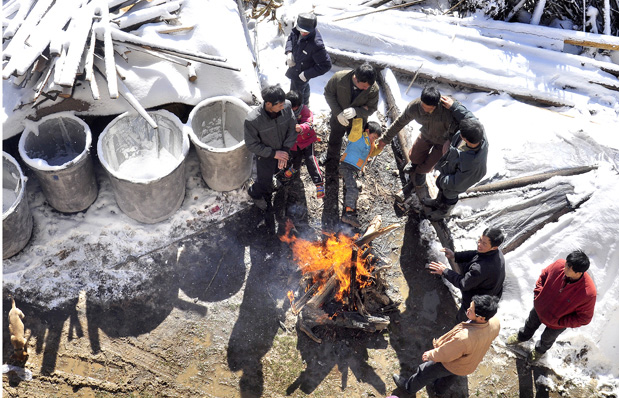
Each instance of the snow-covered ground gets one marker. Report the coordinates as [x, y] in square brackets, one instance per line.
[524, 139]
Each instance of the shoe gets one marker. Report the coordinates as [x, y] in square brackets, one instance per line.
[399, 196]
[439, 214]
[420, 180]
[534, 355]
[433, 203]
[290, 172]
[350, 218]
[409, 168]
[261, 203]
[513, 339]
[401, 382]
[320, 191]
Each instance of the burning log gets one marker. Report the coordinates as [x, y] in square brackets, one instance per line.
[347, 289]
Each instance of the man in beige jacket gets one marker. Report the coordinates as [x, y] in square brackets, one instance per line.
[457, 352]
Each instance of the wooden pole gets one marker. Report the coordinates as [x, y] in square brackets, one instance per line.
[528, 180]
[381, 10]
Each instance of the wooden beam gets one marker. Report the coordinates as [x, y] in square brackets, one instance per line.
[590, 43]
[528, 180]
[338, 58]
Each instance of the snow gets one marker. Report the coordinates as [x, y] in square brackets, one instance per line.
[524, 139]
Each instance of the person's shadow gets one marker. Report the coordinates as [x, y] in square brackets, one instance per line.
[344, 349]
[259, 315]
[528, 376]
[429, 311]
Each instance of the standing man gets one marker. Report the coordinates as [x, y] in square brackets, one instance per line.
[269, 134]
[306, 55]
[439, 117]
[457, 352]
[349, 94]
[564, 297]
[463, 165]
[483, 270]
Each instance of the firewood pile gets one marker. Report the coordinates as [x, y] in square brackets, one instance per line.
[49, 46]
[343, 283]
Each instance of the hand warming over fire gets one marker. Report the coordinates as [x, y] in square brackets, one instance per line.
[437, 268]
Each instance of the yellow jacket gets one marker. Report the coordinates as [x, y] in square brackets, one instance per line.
[462, 348]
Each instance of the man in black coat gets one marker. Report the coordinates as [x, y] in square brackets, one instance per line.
[482, 270]
[461, 167]
[306, 55]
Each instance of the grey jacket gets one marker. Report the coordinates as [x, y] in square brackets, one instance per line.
[436, 127]
[461, 169]
[338, 94]
[264, 136]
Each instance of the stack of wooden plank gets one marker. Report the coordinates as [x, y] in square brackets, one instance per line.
[49, 45]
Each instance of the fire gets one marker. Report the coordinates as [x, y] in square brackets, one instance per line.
[323, 259]
[290, 295]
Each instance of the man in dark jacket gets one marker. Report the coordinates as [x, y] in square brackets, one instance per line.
[269, 133]
[482, 271]
[564, 297]
[349, 94]
[306, 55]
[439, 117]
[463, 165]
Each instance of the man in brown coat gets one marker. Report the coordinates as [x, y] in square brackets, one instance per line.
[457, 352]
[349, 94]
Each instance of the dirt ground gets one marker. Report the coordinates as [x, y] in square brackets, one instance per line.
[215, 320]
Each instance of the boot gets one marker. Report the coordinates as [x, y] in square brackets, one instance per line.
[433, 203]
[290, 172]
[440, 213]
[350, 218]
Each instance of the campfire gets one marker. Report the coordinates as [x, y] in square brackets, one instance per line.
[343, 282]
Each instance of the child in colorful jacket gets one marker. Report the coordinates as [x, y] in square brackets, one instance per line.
[304, 147]
[361, 146]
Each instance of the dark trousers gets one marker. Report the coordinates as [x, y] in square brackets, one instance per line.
[336, 135]
[307, 153]
[263, 186]
[548, 338]
[425, 154]
[430, 372]
[301, 87]
[349, 173]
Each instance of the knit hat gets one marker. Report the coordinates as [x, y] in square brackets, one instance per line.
[306, 23]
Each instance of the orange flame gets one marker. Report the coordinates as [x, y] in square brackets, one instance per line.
[290, 295]
[323, 259]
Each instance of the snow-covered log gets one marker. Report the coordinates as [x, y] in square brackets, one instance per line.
[160, 12]
[124, 37]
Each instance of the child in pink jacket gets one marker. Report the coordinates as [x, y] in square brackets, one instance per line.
[304, 147]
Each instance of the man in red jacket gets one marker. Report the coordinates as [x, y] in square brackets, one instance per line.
[564, 297]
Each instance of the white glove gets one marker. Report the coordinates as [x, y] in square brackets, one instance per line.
[302, 76]
[349, 113]
[343, 120]
[290, 60]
